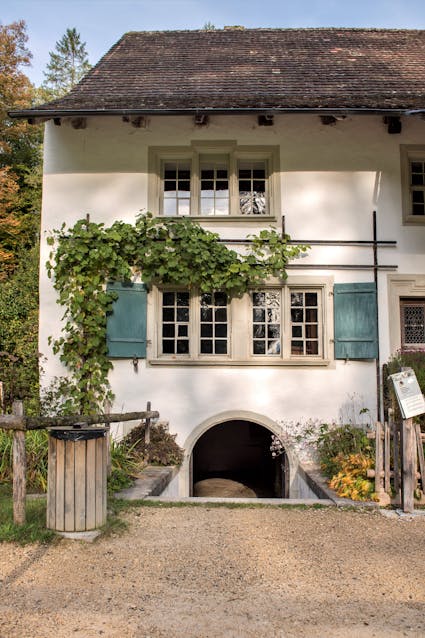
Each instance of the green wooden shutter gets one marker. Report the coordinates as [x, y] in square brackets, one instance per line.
[126, 324]
[356, 332]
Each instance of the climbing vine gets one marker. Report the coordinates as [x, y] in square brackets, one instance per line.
[161, 251]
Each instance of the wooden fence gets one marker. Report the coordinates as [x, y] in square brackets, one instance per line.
[399, 463]
[20, 424]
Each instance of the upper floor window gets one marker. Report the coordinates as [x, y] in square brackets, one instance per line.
[214, 180]
[413, 183]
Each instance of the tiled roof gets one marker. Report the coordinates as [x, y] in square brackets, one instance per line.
[236, 69]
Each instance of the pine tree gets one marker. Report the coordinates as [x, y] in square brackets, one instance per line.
[68, 64]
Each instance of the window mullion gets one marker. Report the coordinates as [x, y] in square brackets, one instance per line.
[233, 186]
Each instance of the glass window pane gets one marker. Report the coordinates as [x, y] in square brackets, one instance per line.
[206, 330]
[206, 346]
[222, 206]
[168, 346]
[168, 298]
[206, 314]
[183, 331]
[168, 314]
[297, 315]
[311, 298]
[182, 314]
[183, 346]
[184, 206]
[221, 329]
[312, 347]
[311, 332]
[207, 206]
[297, 347]
[259, 330]
[258, 298]
[170, 207]
[259, 347]
[168, 330]
[220, 346]
[220, 314]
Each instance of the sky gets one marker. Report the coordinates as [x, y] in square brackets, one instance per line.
[101, 23]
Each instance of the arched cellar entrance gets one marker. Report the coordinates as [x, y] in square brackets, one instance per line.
[234, 459]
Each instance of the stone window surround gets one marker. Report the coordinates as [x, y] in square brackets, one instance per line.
[409, 153]
[400, 287]
[240, 329]
[192, 152]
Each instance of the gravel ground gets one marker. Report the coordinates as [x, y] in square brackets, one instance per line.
[209, 572]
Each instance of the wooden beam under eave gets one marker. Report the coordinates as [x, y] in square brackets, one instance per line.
[79, 122]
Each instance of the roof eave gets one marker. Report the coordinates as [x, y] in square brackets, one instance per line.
[46, 114]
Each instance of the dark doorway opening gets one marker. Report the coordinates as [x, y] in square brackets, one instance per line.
[239, 451]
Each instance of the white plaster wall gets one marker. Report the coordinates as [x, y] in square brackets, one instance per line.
[332, 178]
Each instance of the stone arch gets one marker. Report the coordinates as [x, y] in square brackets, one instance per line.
[222, 417]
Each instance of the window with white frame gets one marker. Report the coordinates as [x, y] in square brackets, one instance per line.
[413, 183]
[283, 323]
[287, 322]
[214, 181]
[194, 324]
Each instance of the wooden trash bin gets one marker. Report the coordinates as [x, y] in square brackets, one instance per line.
[77, 475]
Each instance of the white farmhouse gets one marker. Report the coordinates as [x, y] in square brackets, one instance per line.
[318, 132]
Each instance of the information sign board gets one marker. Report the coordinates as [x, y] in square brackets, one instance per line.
[408, 393]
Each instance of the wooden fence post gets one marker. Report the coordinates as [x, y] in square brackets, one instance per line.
[408, 469]
[19, 468]
[148, 425]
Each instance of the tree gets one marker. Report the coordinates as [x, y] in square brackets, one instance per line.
[68, 64]
[19, 358]
[20, 157]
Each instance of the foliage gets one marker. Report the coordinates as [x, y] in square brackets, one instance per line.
[351, 481]
[68, 64]
[33, 531]
[162, 449]
[345, 455]
[19, 357]
[161, 251]
[125, 466]
[20, 151]
[36, 453]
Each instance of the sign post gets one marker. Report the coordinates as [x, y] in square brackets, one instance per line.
[411, 402]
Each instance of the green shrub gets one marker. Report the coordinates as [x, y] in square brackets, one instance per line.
[345, 455]
[162, 449]
[335, 443]
[37, 453]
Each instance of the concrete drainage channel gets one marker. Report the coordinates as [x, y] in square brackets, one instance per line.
[156, 483]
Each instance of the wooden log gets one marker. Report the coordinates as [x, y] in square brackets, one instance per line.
[408, 470]
[39, 423]
[421, 458]
[12, 422]
[19, 469]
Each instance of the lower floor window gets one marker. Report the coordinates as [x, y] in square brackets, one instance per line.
[412, 322]
[274, 323]
[194, 324]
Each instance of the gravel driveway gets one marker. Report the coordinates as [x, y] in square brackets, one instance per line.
[208, 572]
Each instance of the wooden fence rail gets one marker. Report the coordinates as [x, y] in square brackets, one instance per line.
[19, 424]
